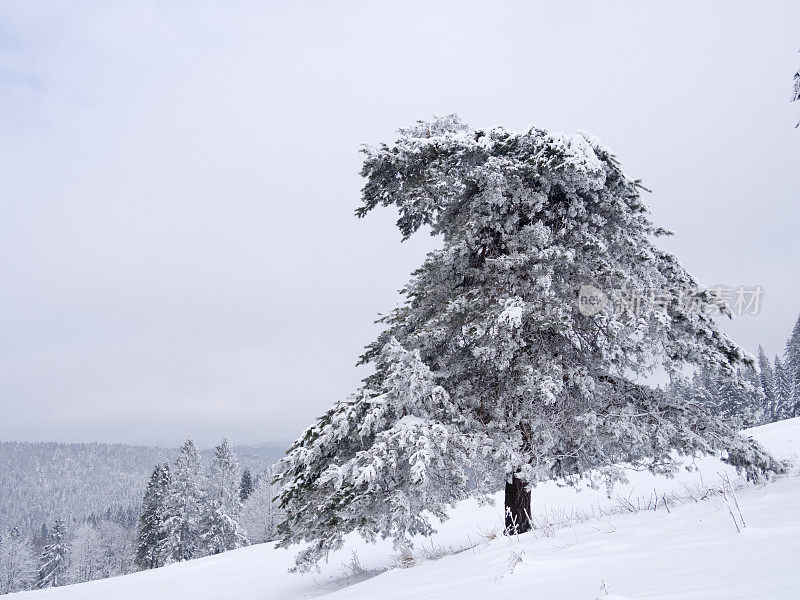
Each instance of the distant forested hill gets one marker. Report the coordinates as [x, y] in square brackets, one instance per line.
[40, 481]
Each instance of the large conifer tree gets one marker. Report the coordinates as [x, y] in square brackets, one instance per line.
[491, 365]
[183, 507]
[783, 391]
[53, 561]
[222, 506]
[151, 522]
[768, 386]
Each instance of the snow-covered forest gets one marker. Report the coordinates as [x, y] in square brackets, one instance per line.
[41, 481]
[771, 393]
[80, 512]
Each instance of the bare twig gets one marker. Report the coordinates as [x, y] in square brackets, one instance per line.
[727, 480]
[730, 508]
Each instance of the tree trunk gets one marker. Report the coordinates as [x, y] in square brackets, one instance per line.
[518, 507]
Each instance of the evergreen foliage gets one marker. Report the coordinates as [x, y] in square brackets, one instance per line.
[739, 400]
[53, 569]
[767, 383]
[180, 529]
[222, 505]
[785, 392]
[246, 487]
[152, 535]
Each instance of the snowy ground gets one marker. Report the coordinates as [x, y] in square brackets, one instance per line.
[588, 547]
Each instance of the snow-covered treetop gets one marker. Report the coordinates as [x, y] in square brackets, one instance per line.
[539, 214]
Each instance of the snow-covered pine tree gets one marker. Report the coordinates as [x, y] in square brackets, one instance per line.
[767, 382]
[246, 487]
[220, 522]
[17, 563]
[783, 391]
[183, 507]
[53, 562]
[792, 364]
[490, 365]
[741, 401]
[151, 522]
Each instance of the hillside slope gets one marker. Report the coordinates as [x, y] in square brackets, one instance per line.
[587, 546]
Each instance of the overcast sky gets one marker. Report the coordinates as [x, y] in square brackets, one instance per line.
[178, 251]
